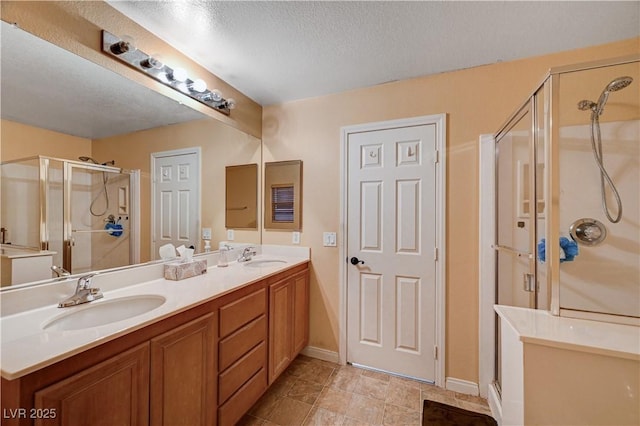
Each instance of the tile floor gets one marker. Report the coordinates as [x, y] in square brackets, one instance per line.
[315, 392]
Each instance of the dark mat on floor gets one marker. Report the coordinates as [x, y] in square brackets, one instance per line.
[435, 413]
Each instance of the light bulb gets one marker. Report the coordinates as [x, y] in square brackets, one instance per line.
[178, 74]
[216, 96]
[126, 44]
[199, 86]
[231, 103]
[153, 61]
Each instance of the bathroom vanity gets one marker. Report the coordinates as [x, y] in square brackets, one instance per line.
[204, 356]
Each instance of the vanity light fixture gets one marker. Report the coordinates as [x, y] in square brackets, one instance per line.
[176, 78]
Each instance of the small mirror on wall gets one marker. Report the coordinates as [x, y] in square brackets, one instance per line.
[241, 204]
[283, 195]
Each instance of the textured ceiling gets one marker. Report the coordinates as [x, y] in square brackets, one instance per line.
[281, 51]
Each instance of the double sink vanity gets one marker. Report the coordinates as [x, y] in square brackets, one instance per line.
[154, 351]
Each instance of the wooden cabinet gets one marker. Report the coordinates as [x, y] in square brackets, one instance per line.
[288, 320]
[204, 366]
[183, 374]
[112, 392]
[300, 282]
[242, 349]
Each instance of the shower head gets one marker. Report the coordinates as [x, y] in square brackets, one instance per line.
[619, 84]
[616, 84]
[83, 158]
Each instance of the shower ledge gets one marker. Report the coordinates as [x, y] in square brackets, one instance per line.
[541, 328]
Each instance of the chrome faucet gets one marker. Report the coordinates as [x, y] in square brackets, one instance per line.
[60, 271]
[246, 254]
[84, 293]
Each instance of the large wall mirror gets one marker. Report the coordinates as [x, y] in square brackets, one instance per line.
[86, 137]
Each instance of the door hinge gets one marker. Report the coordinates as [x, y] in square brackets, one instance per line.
[435, 253]
[529, 283]
[435, 352]
[436, 159]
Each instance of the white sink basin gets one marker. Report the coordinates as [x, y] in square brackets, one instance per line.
[95, 314]
[264, 263]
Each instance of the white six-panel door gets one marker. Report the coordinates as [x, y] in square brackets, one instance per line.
[176, 199]
[391, 222]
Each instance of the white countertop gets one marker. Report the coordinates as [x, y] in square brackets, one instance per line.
[25, 347]
[540, 327]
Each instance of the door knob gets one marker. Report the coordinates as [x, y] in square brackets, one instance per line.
[355, 261]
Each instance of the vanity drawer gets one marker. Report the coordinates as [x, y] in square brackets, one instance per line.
[236, 375]
[235, 346]
[232, 411]
[235, 314]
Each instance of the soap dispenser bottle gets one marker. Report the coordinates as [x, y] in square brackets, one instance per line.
[222, 257]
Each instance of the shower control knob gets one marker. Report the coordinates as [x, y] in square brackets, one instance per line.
[355, 261]
[592, 232]
[588, 231]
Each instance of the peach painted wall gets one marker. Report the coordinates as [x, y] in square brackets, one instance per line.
[476, 101]
[20, 140]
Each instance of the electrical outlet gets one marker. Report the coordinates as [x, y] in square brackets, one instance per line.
[295, 237]
[206, 233]
[230, 235]
[329, 239]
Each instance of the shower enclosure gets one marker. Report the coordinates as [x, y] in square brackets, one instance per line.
[567, 208]
[85, 212]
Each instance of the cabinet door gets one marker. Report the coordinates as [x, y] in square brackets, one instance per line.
[183, 374]
[114, 392]
[300, 311]
[280, 323]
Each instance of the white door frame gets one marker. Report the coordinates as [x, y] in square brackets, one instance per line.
[154, 155]
[440, 121]
[486, 262]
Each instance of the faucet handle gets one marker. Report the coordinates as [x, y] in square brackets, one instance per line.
[85, 280]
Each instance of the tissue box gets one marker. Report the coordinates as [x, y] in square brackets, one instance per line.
[179, 271]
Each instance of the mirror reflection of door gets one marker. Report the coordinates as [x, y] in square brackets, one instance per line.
[175, 198]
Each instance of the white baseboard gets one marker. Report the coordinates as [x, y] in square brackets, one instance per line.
[462, 386]
[319, 353]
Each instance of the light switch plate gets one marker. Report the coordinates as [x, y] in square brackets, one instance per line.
[230, 235]
[329, 239]
[206, 233]
[295, 237]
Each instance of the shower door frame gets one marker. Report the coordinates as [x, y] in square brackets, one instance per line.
[134, 213]
[552, 187]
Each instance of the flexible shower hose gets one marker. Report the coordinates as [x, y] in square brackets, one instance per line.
[596, 146]
[105, 178]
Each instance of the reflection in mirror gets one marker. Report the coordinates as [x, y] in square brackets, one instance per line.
[94, 113]
[241, 196]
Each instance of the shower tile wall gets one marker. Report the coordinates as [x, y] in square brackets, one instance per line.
[604, 278]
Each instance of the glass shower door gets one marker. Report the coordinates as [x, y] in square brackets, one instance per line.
[97, 218]
[515, 213]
